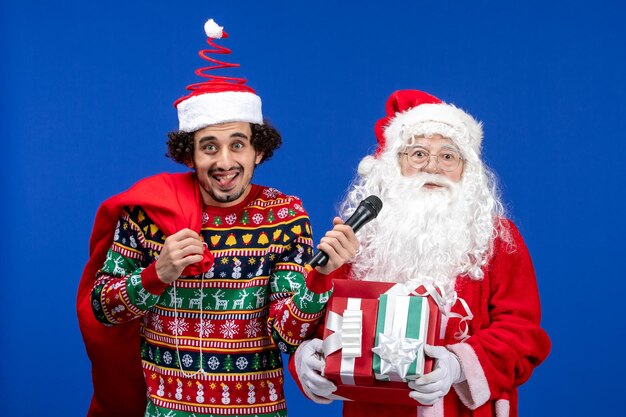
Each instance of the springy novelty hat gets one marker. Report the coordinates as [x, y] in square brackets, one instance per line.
[414, 112]
[219, 99]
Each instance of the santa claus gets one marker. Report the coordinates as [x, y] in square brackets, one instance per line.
[443, 224]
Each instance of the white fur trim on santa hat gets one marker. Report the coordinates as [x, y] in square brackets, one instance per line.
[429, 118]
[208, 109]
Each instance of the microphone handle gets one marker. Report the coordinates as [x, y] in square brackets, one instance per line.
[320, 259]
[356, 221]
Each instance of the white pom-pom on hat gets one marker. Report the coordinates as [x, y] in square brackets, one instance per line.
[213, 30]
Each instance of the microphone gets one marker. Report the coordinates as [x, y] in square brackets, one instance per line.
[367, 210]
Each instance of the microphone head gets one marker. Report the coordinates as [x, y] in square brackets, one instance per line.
[373, 203]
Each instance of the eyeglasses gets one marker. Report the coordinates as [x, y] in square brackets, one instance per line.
[446, 160]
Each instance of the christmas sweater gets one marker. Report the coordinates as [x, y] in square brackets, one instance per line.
[505, 343]
[211, 343]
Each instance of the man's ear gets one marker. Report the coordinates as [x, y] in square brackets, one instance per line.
[259, 158]
[190, 164]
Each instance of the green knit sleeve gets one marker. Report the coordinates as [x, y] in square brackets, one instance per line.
[118, 294]
[294, 309]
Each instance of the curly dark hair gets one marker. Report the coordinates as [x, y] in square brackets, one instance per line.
[265, 139]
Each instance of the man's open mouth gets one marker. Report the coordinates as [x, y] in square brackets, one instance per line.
[226, 179]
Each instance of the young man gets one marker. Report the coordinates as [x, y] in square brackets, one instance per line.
[201, 276]
[443, 225]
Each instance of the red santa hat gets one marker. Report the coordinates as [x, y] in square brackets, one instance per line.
[414, 112]
[219, 99]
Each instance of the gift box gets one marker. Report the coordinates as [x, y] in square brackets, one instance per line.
[350, 327]
[364, 317]
[401, 329]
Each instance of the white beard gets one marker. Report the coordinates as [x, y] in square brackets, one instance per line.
[427, 235]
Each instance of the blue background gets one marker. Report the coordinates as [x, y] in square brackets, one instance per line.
[87, 91]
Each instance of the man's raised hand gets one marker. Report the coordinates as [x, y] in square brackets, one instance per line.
[180, 250]
[340, 244]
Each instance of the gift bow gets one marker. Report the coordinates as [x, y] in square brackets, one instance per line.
[347, 336]
[347, 331]
[444, 301]
[396, 353]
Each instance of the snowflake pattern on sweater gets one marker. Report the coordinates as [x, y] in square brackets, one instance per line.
[211, 343]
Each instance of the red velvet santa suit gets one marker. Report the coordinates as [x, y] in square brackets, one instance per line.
[506, 341]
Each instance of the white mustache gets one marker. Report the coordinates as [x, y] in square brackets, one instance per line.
[425, 178]
[403, 186]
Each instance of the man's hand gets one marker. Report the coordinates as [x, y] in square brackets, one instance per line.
[180, 250]
[340, 244]
[309, 365]
[433, 386]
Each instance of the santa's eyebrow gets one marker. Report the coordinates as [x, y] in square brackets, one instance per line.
[443, 147]
[451, 147]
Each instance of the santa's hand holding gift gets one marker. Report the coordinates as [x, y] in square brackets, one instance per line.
[443, 227]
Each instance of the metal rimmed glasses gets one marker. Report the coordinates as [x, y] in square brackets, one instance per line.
[419, 157]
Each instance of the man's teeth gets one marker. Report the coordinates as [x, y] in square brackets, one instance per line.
[225, 177]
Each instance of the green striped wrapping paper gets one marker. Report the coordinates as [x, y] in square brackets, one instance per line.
[405, 316]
